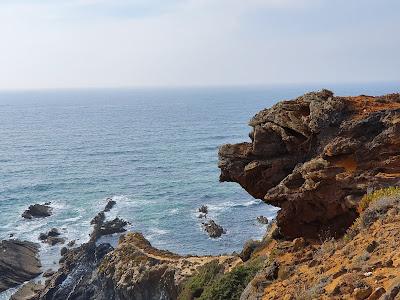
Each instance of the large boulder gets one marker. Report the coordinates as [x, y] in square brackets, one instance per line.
[316, 156]
[19, 262]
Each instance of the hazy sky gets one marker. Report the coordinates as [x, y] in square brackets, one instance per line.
[112, 43]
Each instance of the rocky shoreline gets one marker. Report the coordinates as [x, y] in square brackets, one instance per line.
[331, 164]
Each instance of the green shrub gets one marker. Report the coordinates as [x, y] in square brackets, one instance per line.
[378, 194]
[231, 285]
[194, 287]
[211, 284]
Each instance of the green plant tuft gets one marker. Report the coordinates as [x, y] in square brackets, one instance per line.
[378, 194]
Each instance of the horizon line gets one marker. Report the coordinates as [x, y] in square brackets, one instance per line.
[323, 84]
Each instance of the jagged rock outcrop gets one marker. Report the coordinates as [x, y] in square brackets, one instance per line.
[134, 270]
[38, 211]
[315, 156]
[19, 262]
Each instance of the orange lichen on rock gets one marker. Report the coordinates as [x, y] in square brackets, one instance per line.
[347, 162]
[363, 105]
[367, 262]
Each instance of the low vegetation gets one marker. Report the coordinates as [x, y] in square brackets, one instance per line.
[374, 206]
[376, 195]
[211, 283]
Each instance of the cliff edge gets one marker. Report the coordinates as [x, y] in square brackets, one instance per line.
[316, 156]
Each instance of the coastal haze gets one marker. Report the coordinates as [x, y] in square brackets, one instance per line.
[128, 43]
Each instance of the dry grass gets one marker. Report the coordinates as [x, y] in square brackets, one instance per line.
[378, 194]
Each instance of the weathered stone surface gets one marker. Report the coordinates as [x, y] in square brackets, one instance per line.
[362, 293]
[377, 293]
[316, 156]
[28, 291]
[248, 249]
[18, 263]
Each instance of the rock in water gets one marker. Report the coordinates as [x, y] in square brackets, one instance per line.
[37, 211]
[18, 263]
[213, 229]
[203, 209]
[52, 237]
[262, 220]
[109, 227]
[110, 204]
[316, 156]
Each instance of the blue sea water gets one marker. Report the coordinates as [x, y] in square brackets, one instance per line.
[152, 150]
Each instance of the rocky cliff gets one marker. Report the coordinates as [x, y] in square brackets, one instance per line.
[316, 156]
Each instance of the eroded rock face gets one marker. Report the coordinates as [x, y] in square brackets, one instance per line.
[19, 262]
[316, 156]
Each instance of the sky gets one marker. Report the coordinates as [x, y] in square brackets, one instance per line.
[136, 43]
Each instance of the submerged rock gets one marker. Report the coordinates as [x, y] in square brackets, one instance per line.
[19, 262]
[213, 229]
[37, 211]
[315, 157]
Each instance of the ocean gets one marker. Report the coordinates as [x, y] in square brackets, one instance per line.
[154, 151]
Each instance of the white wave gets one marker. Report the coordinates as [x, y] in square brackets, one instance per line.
[173, 211]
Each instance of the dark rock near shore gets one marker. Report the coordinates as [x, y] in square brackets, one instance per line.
[77, 276]
[53, 232]
[213, 229]
[48, 273]
[19, 262]
[37, 211]
[52, 237]
[110, 204]
[315, 157]
[109, 227]
[98, 219]
[203, 209]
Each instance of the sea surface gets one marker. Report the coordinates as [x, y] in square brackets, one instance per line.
[154, 151]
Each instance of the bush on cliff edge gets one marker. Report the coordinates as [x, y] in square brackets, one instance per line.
[212, 283]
